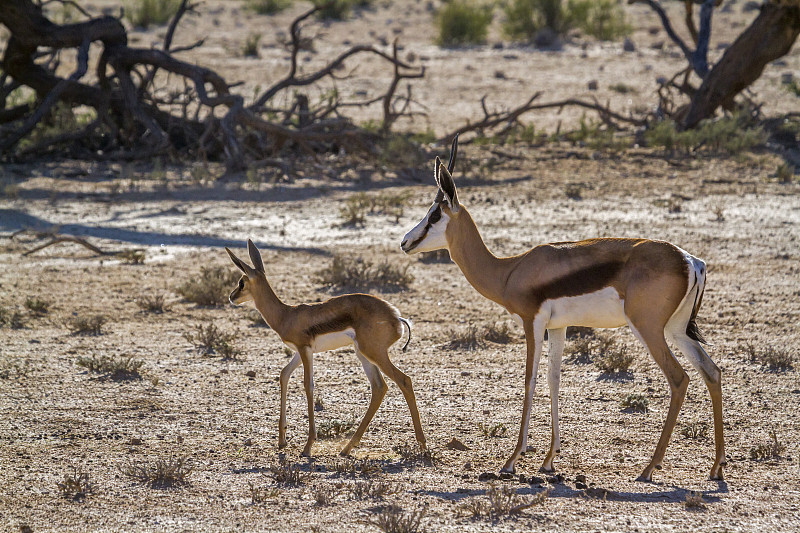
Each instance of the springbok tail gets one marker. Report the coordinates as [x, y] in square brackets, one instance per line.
[408, 325]
[691, 327]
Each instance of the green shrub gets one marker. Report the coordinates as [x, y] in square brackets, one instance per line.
[146, 13]
[338, 9]
[346, 272]
[211, 288]
[463, 22]
[250, 49]
[731, 134]
[37, 306]
[268, 7]
[603, 19]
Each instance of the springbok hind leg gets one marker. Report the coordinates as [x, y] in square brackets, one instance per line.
[653, 338]
[713, 379]
[286, 373]
[308, 384]
[378, 387]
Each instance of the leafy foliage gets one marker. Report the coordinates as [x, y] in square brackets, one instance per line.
[463, 22]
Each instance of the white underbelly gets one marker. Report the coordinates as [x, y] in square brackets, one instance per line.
[331, 341]
[600, 309]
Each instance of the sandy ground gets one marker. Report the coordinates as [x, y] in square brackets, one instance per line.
[56, 416]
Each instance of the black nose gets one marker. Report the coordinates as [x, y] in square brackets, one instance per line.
[403, 244]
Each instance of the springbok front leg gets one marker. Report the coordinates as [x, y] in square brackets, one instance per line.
[286, 373]
[557, 339]
[308, 383]
[378, 388]
[534, 338]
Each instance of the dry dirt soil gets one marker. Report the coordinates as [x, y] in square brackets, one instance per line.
[57, 418]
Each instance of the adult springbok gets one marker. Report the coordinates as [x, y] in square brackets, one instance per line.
[370, 324]
[652, 286]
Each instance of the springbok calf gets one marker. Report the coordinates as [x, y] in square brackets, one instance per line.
[370, 324]
[653, 286]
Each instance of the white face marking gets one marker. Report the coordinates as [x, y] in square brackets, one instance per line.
[600, 309]
[433, 236]
[331, 341]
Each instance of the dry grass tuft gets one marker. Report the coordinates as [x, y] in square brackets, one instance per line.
[614, 359]
[262, 494]
[116, 368]
[162, 473]
[501, 500]
[359, 273]
[86, 325]
[330, 429]
[350, 466]
[694, 501]
[288, 474]
[75, 486]
[325, 494]
[770, 357]
[373, 490]
[37, 306]
[635, 402]
[210, 339]
[695, 430]
[773, 449]
[153, 303]
[211, 288]
[413, 454]
[394, 519]
[132, 257]
[493, 430]
[356, 208]
[473, 337]
[13, 319]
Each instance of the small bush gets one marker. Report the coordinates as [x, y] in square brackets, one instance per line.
[358, 206]
[773, 358]
[152, 303]
[498, 333]
[268, 7]
[117, 368]
[37, 306]
[334, 9]
[602, 19]
[86, 325]
[493, 430]
[146, 13]
[350, 466]
[325, 495]
[288, 474]
[635, 402]
[580, 350]
[346, 272]
[210, 339]
[413, 454]
[393, 519]
[75, 485]
[597, 137]
[132, 257]
[773, 449]
[373, 490]
[211, 288]
[621, 88]
[695, 430]
[694, 501]
[401, 151]
[162, 473]
[526, 17]
[330, 429]
[262, 494]
[615, 358]
[463, 22]
[785, 173]
[730, 134]
[468, 338]
[501, 500]
[250, 46]
[13, 319]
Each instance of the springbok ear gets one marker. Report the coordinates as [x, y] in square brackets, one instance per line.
[241, 265]
[255, 256]
[436, 164]
[448, 187]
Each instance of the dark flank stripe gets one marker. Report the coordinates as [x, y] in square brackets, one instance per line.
[584, 281]
[337, 323]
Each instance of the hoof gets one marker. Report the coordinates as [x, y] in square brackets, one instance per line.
[282, 445]
[645, 478]
[545, 470]
[344, 453]
[506, 470]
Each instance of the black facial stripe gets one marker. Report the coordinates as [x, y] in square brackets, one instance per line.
[433, 219]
